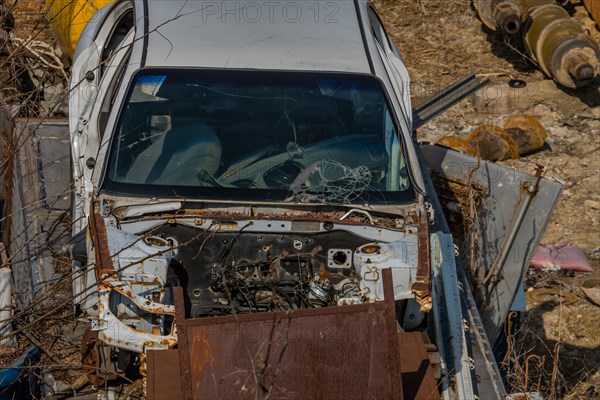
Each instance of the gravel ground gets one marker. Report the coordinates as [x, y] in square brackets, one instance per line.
[442, 41]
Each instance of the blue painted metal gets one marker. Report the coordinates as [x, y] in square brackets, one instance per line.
[15, 381]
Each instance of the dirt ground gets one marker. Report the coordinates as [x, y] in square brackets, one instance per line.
[441, 41]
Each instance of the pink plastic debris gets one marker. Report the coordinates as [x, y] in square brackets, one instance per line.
[562, 255]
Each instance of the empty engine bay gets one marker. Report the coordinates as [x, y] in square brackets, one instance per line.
[228, 267]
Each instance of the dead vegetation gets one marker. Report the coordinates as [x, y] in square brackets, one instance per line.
[442, 41]
[32, 81]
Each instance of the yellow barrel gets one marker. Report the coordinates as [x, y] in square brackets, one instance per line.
[69, 17]
[594, 8]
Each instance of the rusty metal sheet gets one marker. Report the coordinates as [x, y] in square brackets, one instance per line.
[422, 285]
[104, 264]
[334, 352]
[418, 378]
[163, 368]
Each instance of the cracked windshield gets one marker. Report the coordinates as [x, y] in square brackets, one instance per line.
[303, 137]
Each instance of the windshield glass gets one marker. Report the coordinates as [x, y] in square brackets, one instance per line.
[253, 135]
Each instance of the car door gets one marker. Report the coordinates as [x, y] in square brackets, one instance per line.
[95, 73]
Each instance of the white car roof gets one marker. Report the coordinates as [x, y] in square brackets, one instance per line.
[282, 35]
[285, 35]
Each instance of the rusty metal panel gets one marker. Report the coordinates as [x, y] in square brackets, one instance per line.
[104, 262]
[335, 352]
[163, 368]
[332, 355]
[418, 378]
[422, 285]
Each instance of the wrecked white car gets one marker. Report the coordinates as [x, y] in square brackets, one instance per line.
[243, 186]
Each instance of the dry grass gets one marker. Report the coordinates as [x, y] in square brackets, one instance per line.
[555, 351]
[442, 41]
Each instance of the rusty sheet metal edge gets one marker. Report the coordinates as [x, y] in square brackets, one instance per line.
[182, 341]
[422, 285]
[388, 306]
[164, 363]
[392, 331]
[104, 264]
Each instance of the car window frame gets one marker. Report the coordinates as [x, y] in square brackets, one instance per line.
[106, 185]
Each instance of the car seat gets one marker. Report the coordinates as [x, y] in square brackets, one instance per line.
[178, 157]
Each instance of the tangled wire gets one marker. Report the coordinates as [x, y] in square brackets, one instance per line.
[330, 182]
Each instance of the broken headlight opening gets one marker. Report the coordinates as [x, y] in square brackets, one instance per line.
[135, 308]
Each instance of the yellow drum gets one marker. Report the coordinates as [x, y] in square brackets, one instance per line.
[69, 17]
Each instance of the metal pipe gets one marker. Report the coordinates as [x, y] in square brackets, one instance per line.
[558, 43]
[531, 190]
[356, 211]
[503, 15]
[561, 47]
[5, 306]
[507, 14]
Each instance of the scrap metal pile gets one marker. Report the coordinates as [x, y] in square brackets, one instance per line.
[521, 135]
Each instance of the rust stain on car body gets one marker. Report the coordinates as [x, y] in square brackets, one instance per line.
[422, 285]
[104, 264]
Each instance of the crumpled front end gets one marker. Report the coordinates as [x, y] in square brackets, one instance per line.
[276, 284]
[134, 310]
[241, 265]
